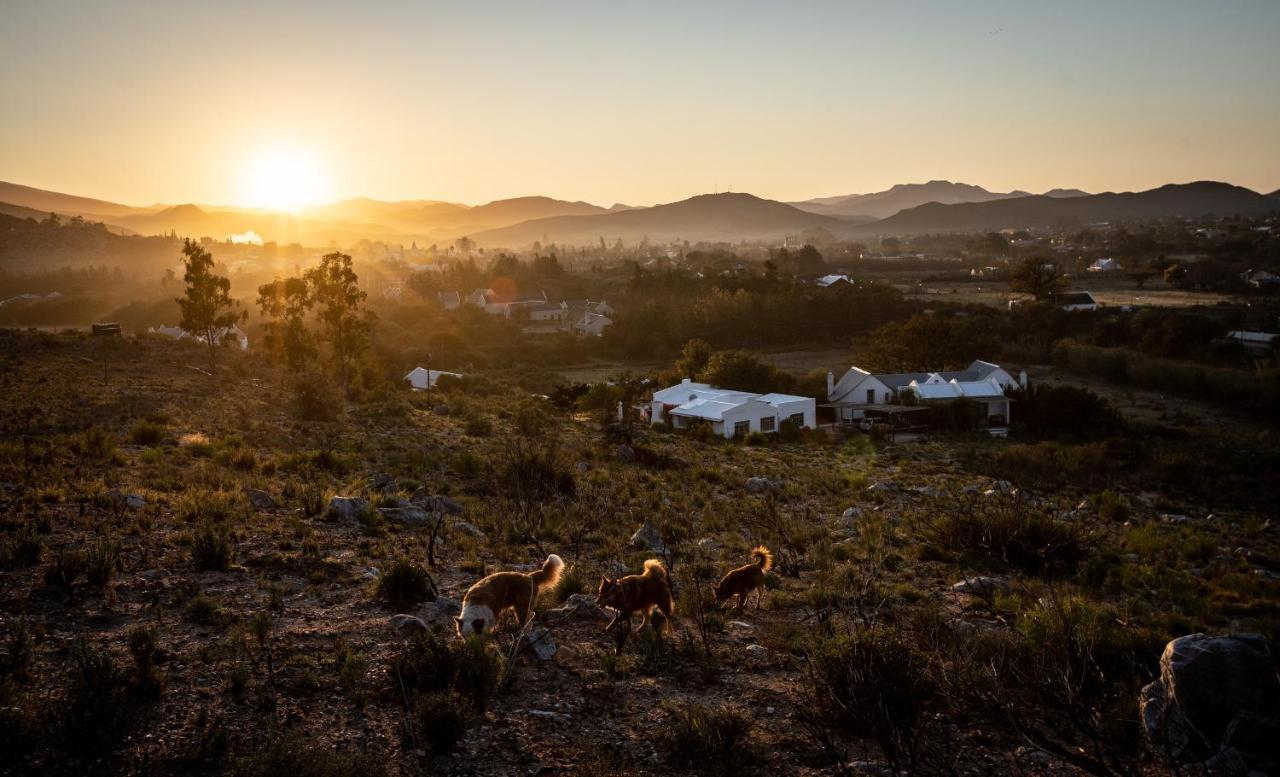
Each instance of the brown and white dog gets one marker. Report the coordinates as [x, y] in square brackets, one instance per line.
[637, 593]
[743, 580]
[485, 601]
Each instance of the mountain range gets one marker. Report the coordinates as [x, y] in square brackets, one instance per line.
[936, 206]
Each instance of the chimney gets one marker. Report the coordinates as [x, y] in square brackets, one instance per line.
[686, 380]
[1022, 380]
[831, 384]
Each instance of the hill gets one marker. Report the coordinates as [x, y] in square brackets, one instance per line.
[56, 202]
[900, 197]
[730, 216]
[1191, 200]
[1066, 193]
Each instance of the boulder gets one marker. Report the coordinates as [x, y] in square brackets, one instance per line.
[131, 501]
[577, 607]
[468, 528]
[1212, 691]
[648, 538]
[625, 454]
[759, 485]
[403, 622]
[436, 503]
[928, 491]
[408, 516]
[1175, 518]
[441, 410]
[347, 508]
[883, 487]
[539, 640]
[259, 499]
[982, 587]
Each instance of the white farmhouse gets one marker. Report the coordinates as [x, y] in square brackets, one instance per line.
[730, 413]
[859, 389]
[988, 392]
[592, 324]
[421, 378]
[1105, 265]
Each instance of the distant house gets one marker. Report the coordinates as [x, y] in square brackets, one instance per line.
[421, 378]
[827, 281]
[504, 303]
[1105, 265]
[592, 324]
[988, 393]
[1261, 279]
[1256, 342]
[233, 334]
[1074, 300]
[449, 300]
[730, 413]
[857, 390]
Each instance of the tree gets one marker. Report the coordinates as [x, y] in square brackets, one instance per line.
[693, 359]
[285, 304]
[337, 297]
[743, 372]
[1037, 277]
[207, 307]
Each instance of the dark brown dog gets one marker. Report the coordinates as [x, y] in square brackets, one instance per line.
[636, 593]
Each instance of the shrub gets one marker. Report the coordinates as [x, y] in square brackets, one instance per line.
[95, 443]
[316, 398]
[439, 719]
[293, 754]
[147, 433]
[872, 682]
[478, 426]
[23, 549]
[1111, 506]
[94, 713]
[211, 546]
[102, 561]
[67, 567]
[431, 662]
[707, 737]
[405, 583]
[149, 681]
[1009, 531]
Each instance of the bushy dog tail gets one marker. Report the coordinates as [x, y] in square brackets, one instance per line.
[549, 575]
[764, 559]
[654, 568]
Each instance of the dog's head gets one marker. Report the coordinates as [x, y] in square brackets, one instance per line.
[474, 620]
[718, 592]
[609, 594]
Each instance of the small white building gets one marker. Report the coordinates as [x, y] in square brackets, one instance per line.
[421, 378]
[1105, 265]
[827, 281]
[730, 413]
[592, 324]
[449, 300]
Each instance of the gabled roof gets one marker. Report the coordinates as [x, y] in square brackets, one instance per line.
[937, 387]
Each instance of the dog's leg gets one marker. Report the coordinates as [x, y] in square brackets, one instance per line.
[759, 596]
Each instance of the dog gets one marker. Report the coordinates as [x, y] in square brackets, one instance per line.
[637, 593]
[743, 580]
[485, 601]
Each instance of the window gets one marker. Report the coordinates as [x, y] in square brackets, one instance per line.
[871, 396]
[741, 428]
[797, 419]
[767, 424]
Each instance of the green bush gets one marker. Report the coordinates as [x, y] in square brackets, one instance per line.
[211, 546]
[714, 739]
[478, 426]
[432, 663]
[405, 584]
[147, 433]
[316, 398]
[1011, 532]
[439, 719]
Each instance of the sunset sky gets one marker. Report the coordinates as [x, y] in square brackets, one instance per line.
[251, 102]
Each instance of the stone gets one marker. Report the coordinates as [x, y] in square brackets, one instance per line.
[372, 573]
[383, 483]
[757, 485]
[759, 651]
[403, 622]
[131, 501]
[928, 491]
[469, 529]
[625, 454]
[436, 503]
[259, 499]
[577, 607]
[408, 516]
[1175, 518]
[983, 587]
[347, 508]
[883, 487]
[852, 512]
[1211, 688]
[539, 640]
[740, 626]
[616, 569]
[707, 544]
[648, 538]
[441, 410]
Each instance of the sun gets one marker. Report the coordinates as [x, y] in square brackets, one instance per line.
[283, 179]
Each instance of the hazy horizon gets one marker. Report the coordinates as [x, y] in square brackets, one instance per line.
[237, 105]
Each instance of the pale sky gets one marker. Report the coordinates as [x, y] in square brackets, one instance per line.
[635, 102]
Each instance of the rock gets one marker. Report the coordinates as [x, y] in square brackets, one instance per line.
[616, 569]
[740, 626]
[408, 516]
[383, 483]
[1175, 518]
[443, 608]
[468, 528]
[347, 508]
[761, 485]
[625, 454]
[372, 573]
[577, 607]
[131, 501]
[1211, 689]
[883, 487]
[851, 512]
[582, 466]
[403, 622]
[648, 538]
[1230, 762]
[540, 642]
[1003, 485]
[259, 499]
[760, 651]
[928, 491]
[441, 410]
[707, 544]
[436, 503]
[982, 587]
